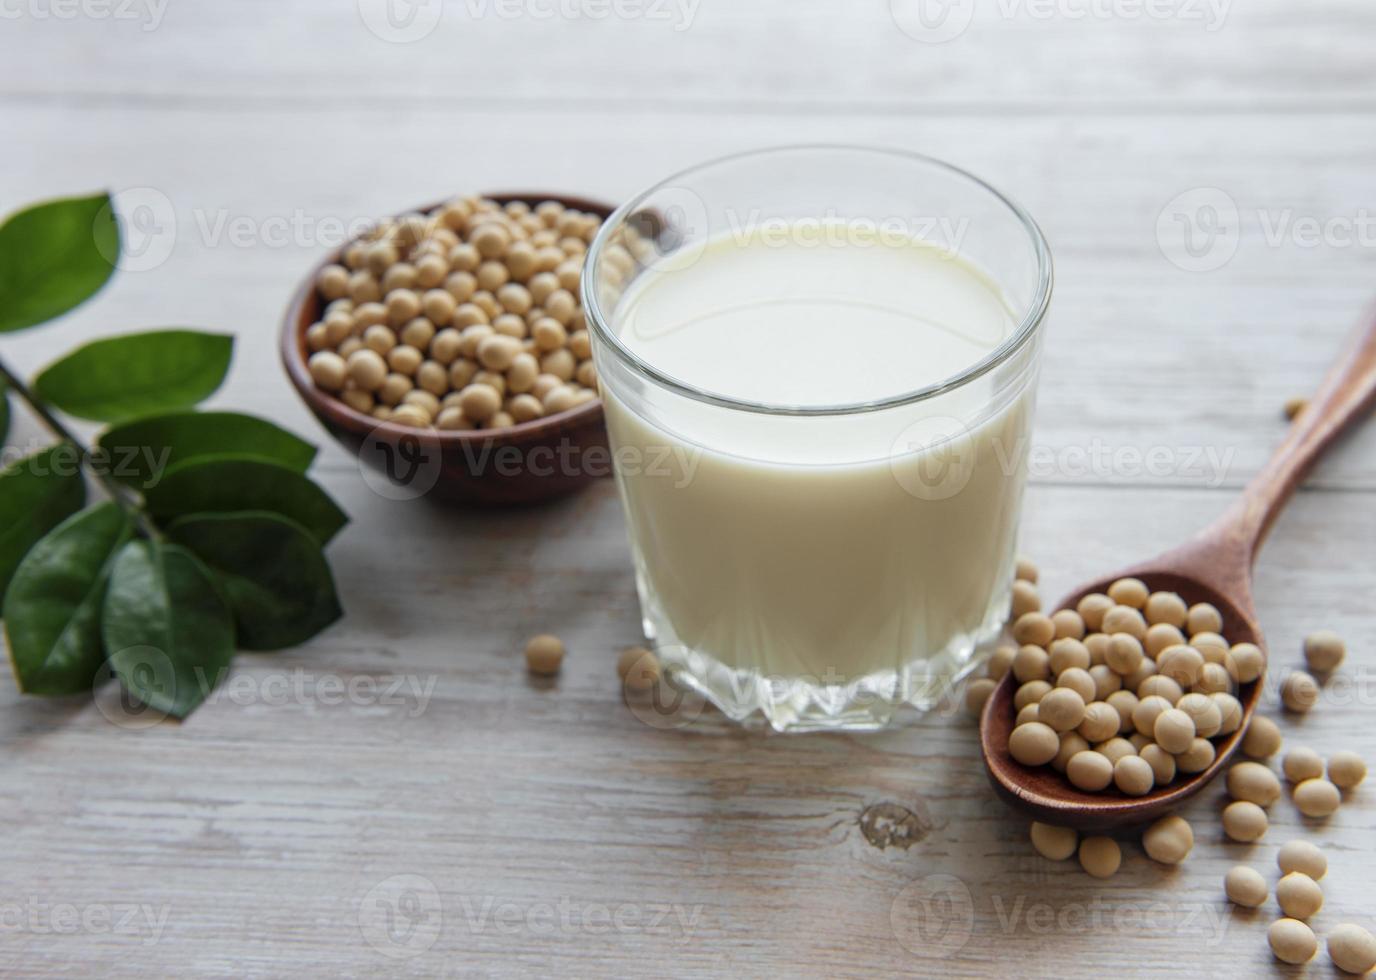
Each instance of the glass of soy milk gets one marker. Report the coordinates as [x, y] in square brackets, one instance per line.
[818, 366]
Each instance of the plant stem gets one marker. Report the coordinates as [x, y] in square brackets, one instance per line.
[120, 494]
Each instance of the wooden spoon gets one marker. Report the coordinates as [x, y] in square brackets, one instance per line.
[1215, 566]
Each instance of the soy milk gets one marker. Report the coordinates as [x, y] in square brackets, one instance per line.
[784, 553]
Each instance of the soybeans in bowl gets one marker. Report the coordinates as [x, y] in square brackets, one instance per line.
[451, 333]
[1128, 691]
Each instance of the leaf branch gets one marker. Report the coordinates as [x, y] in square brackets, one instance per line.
[119, 494]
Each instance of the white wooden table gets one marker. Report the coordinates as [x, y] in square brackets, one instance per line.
[450, 816]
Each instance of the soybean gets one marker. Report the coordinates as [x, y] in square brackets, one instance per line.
[1292, 941]
[1133, 775]
[1302, 856]
[1168, 840]
[1317, 798]
[1090, 771]
[1299, 692]
[976, 693]
[1244, 821]
[1056, 843]
[1301, 763]
[1100, 856]
[1352, 948]
[1346, 769]
[1034, 744]
[1324, 650]
[1245, 886]
[1299, 896]
[1253, 782]
[1263, 738]
[544, 654]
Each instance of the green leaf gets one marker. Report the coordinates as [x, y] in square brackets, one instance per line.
[52, 608]
[269, 568]
[167, 631]
[53, 257]
[140, 452]
[36, 494]
[138, 374]
[237, 483]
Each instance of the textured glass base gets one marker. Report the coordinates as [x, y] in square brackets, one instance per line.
[804, 705]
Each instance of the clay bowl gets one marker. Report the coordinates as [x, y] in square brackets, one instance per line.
[533, 461]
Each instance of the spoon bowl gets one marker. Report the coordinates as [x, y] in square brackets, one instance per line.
[1046, 795]
[1215, 567]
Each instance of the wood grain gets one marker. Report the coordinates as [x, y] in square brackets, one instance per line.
[555, 831]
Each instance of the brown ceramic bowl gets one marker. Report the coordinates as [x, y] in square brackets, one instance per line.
[525, 463]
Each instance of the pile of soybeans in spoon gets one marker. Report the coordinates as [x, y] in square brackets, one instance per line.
[1127, 690]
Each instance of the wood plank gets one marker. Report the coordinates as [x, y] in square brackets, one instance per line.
[538, 811]
[531, 828]
[1140, 354]
[1016, 56]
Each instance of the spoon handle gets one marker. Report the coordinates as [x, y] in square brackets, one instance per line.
[1348, 391]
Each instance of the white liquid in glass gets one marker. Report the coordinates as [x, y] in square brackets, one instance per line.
[795, 561]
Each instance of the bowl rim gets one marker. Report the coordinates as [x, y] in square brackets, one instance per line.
[292, 349]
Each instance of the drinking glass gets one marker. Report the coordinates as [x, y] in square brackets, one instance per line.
[819, 565]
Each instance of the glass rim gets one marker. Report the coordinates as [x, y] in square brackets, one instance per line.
[1031, 319]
